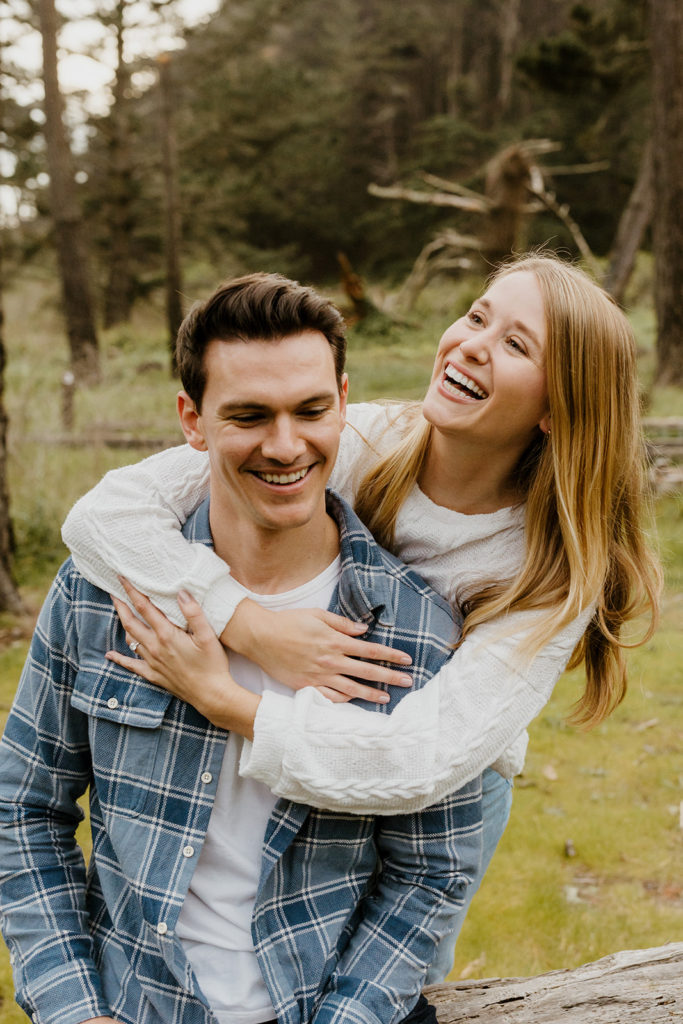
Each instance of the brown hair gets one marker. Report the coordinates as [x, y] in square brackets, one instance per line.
[256, 307]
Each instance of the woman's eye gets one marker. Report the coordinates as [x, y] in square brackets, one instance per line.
[515, 344]
[476, 318]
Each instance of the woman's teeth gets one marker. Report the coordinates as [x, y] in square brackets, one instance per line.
[459, 382]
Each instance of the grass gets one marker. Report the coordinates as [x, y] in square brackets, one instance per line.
[615, 793]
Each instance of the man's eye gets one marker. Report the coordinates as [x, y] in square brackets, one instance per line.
[246, 419]
[314, 412]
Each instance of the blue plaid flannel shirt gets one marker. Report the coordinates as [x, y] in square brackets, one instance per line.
[349, 909]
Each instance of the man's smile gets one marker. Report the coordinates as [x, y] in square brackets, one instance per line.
[282, 479]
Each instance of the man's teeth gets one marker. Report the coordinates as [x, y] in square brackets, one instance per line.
[284, 478]
[454, 376]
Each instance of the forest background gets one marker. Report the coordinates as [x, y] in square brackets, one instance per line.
[251, 143]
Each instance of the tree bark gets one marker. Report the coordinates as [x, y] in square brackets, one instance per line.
[508, 21]
[633, 224]
[9, 595]
[174, 310]
[631, 987]
[508, 179]
[118, 298]
[71, 254]
[666, 28]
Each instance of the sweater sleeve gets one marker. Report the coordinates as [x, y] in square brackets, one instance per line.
[342, 757]
[129, 524]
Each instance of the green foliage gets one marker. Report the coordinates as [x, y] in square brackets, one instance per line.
[594, 78]
[284, 113]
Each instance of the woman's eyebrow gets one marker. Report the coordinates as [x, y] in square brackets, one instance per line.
[518, 325]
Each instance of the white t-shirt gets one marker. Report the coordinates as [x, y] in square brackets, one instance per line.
[215, 921]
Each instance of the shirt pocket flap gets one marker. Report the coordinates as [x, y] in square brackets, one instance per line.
[112, 693]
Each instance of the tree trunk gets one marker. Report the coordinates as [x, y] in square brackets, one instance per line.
[9, 595]
[120, 289]
[633, 224]
[508, 178]
[666, 27]
[508, 20]
[174, 309]
[631, 987]
[71, 256]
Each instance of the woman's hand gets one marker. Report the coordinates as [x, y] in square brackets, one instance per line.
[311, 647]
[192, 665]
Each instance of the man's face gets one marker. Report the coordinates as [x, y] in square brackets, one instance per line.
[271, 419]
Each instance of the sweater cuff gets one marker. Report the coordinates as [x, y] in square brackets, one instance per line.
[263, 758]
[217, 592]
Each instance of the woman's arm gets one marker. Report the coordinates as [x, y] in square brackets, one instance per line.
[129, 524]
[346, 758]
[435, 741]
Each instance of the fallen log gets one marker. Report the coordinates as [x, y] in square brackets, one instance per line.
[643, 986]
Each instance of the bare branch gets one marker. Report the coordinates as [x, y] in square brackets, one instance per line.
[452, 186]
[427, 198]
[561, 210]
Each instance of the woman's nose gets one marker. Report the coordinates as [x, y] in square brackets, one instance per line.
[476, 346]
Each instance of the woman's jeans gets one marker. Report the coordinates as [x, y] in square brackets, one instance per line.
[496, 803]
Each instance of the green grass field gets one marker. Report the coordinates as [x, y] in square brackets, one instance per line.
[615, 794]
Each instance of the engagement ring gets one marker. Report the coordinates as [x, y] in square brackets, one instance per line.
[134, 644]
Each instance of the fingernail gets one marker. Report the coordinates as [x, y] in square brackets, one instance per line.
[361, 626]
[404, 681]
[382, 698]
[405, 659]
[183, 596]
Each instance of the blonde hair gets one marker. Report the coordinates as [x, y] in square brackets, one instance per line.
[584, 488]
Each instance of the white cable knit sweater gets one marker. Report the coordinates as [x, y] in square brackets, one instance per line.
[472, 714]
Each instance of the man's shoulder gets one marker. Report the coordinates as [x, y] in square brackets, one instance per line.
[72, 593]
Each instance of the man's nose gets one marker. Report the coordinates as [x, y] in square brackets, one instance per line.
[283, 442]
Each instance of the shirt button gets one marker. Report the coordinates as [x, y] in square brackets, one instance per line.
[112, 703]
[162, 928]
[207, 777]
[188, 851]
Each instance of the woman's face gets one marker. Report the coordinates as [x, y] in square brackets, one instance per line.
[489, 379]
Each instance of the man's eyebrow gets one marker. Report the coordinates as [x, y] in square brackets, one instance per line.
[238, 405]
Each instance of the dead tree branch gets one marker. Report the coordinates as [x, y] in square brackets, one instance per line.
[631, 987]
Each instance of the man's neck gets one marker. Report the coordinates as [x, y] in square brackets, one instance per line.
[274, 561]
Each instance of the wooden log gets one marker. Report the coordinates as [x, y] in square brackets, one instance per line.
[643, 986]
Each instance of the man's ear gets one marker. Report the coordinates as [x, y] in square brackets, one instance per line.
[190, 421]
[343, 398]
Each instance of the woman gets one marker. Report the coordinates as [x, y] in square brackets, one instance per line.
[516, 491]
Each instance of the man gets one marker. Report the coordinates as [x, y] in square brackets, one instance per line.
[206, 900]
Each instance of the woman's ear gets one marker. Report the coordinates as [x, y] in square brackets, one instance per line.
[544, 425]
[190, 421]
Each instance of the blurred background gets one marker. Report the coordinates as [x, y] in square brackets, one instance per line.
[391, 154]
